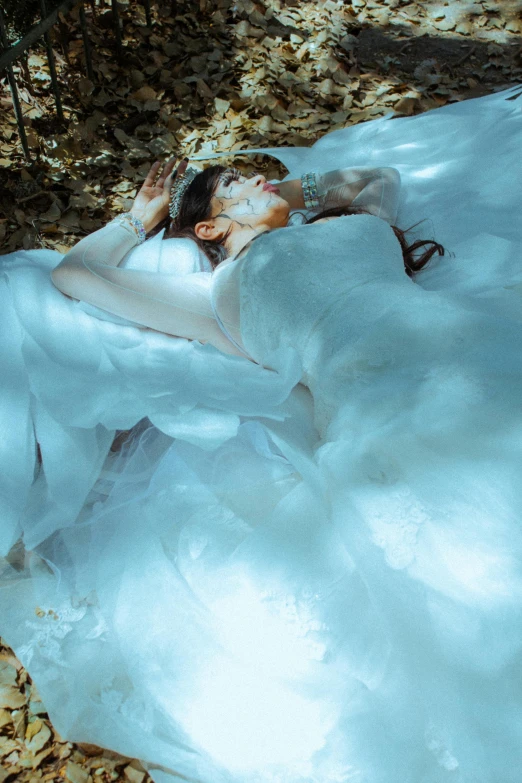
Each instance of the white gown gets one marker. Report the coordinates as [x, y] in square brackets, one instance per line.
[300, 587]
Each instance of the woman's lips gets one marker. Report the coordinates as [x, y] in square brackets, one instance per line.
[270, 187]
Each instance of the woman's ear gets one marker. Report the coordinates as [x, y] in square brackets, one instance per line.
[207, 230]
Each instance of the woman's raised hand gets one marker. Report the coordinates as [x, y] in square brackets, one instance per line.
[151, 205]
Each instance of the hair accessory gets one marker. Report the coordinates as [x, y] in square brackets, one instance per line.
[135, 222]
[178, 189]
[309, 185]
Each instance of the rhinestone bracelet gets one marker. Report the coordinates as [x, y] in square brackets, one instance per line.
[137, 225]
[309, 185]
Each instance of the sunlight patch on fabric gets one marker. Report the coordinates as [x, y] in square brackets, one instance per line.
[246, 721]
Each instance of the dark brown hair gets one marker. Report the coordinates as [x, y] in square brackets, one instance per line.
[196, 206]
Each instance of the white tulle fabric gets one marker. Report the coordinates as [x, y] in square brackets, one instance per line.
[331, 596]
[73, 379]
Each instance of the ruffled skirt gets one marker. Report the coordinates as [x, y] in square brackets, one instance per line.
[297, 599]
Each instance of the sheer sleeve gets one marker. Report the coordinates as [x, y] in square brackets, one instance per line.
[179, 306]
[376, 190]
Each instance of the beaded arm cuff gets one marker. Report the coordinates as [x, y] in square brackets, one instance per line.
[309, 184]
[136, 224]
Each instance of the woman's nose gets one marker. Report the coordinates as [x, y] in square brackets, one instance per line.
[257, 179]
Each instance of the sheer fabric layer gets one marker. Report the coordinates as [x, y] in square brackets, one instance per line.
[296, 606]
[72, 380]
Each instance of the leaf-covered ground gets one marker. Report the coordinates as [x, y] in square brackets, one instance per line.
[210, 75]
[224, 75]
[31, 749]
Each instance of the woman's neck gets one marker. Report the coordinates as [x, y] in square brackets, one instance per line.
[242, 235]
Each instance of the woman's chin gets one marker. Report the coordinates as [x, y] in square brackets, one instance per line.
[281, 211]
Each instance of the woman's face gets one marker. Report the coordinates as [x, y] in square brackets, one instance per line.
[248, 202]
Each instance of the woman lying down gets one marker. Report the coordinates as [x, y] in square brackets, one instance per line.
[223, 212]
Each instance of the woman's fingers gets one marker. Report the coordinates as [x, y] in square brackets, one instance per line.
[166, 172]
[167, 187]
[151, 176]
[171, 175]
[166, 177]
[182, 167]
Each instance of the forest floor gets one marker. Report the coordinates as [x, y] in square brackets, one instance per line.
[222, 75]
[213, 75]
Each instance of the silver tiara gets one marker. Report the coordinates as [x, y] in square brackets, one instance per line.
[178, 189]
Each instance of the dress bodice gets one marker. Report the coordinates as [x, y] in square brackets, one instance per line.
[285, 289]
[248, 596]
